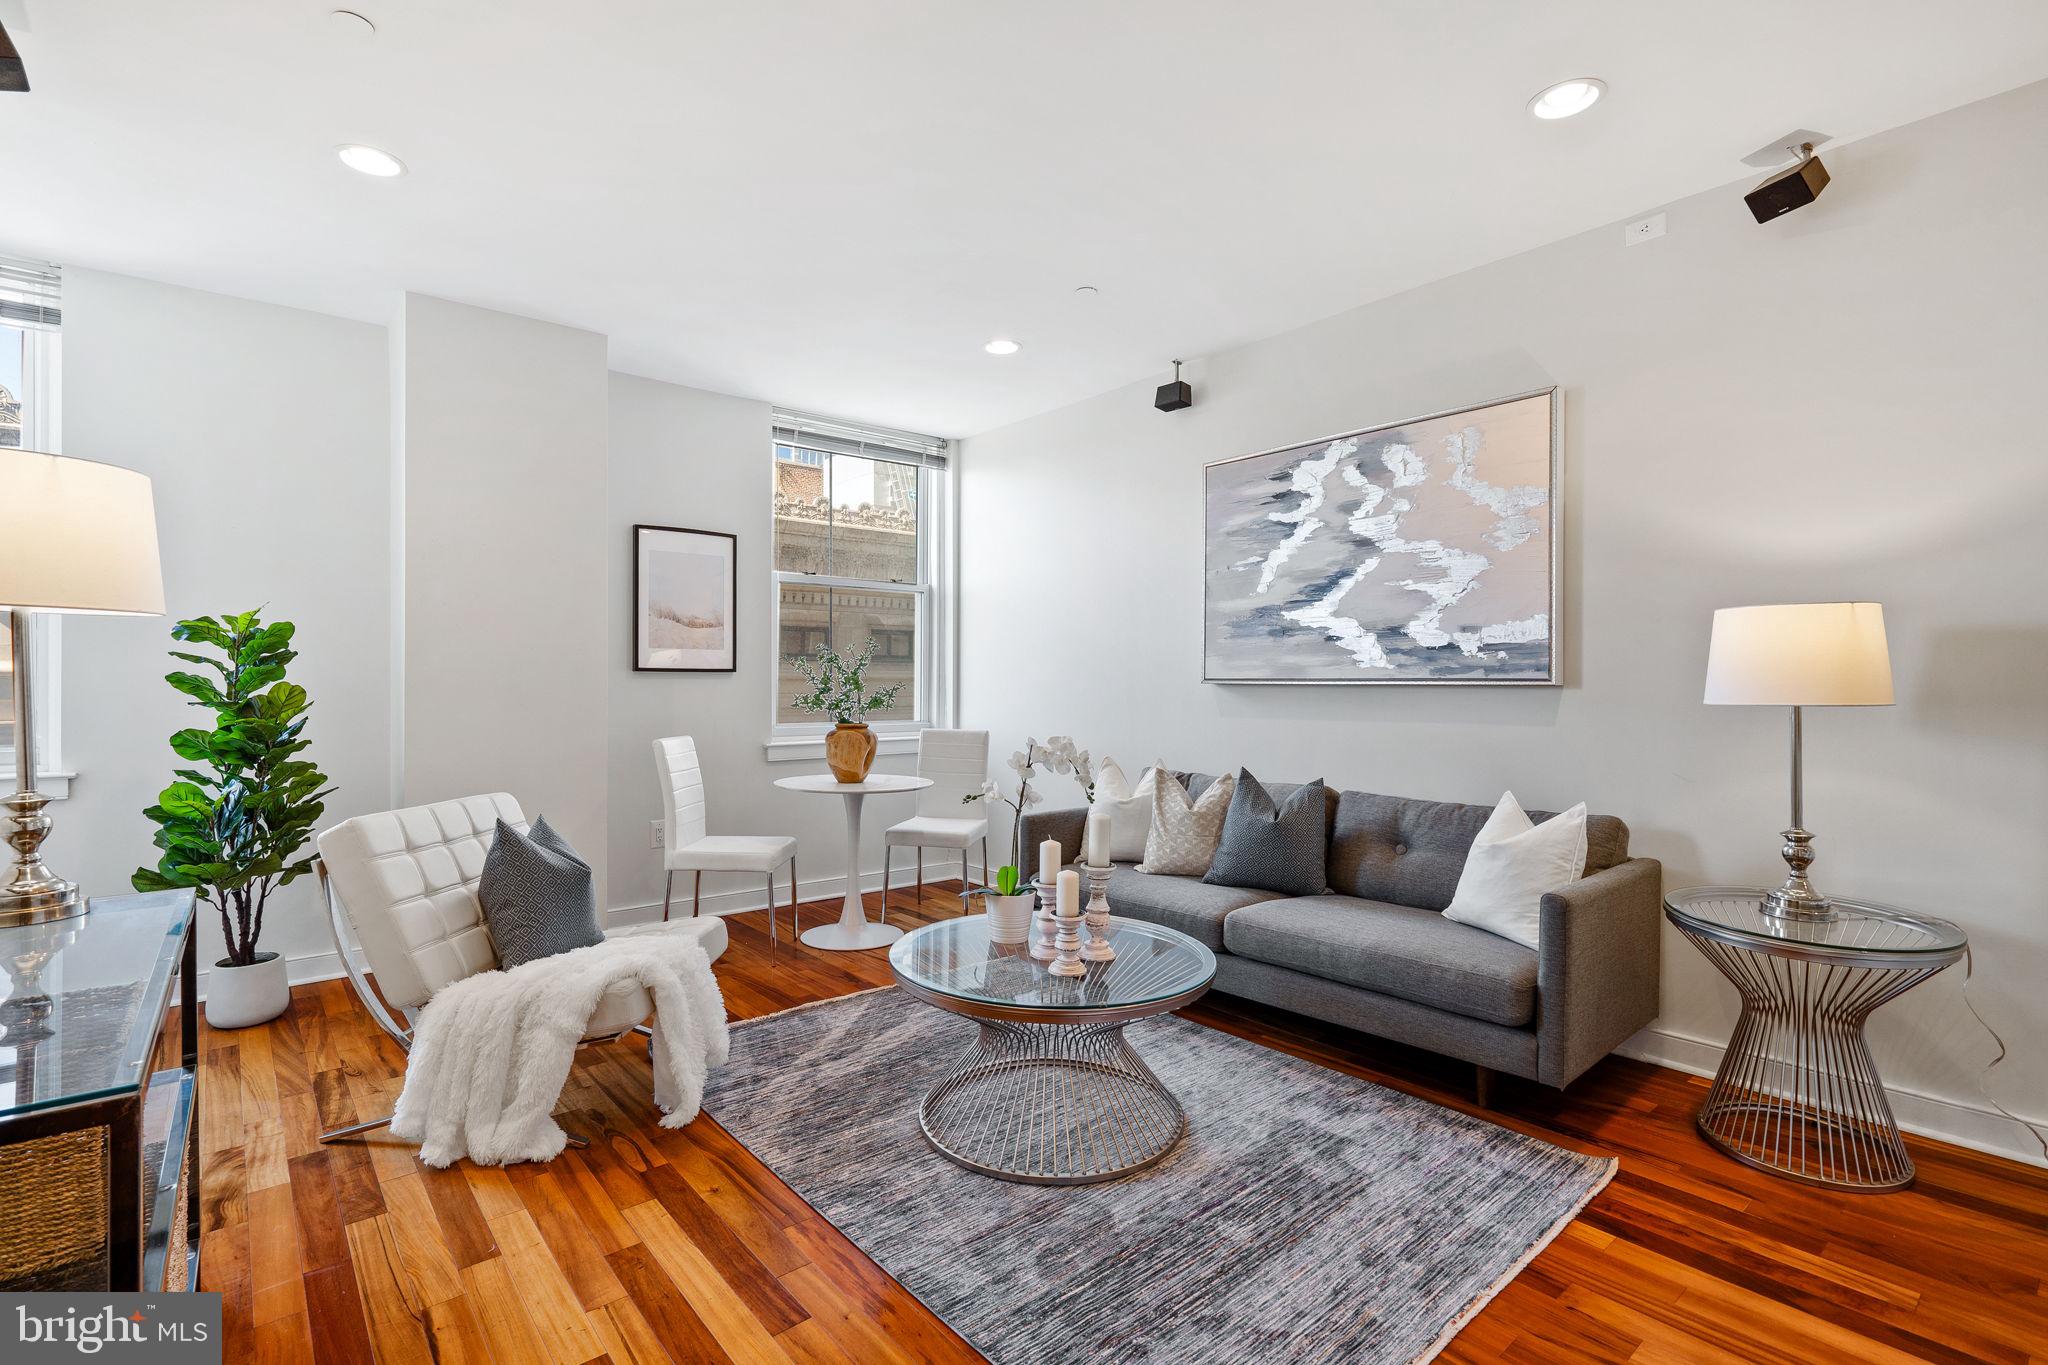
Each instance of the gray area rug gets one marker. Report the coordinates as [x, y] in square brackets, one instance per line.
[1307, 1216]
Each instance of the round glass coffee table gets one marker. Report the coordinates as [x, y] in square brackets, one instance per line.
[1051, 1093]
[1798, 1092]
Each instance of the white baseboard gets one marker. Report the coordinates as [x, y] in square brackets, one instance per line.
[325, 966]
[1978, 1127]
[809, 891]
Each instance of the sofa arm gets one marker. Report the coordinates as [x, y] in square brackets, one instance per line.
[1597, 966]
[1069, 826]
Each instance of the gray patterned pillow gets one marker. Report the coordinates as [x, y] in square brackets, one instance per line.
[539, 898]
[1271, 847]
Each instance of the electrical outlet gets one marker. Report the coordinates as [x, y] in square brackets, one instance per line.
[655, 833]
[1644, 229]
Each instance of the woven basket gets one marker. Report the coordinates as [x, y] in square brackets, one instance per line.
[54, 1191]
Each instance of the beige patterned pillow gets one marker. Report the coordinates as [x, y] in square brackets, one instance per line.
[1184, 834]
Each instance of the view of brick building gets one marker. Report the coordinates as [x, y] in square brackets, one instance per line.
[863, 526]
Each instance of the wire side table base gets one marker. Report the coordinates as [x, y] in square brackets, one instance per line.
[1051, 1104]
[1798, 1092]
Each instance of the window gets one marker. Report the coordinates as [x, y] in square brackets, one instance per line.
[860, 558]
[29, 338]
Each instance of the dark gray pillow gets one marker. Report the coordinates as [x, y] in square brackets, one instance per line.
[539, 897]
[1272, 848]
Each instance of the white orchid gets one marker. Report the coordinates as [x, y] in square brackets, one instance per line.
[1068, 760]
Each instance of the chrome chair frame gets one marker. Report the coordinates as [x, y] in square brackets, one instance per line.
[381, 1014]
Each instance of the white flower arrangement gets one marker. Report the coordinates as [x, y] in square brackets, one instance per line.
[1058, 754]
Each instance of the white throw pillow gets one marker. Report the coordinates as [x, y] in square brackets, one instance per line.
[1130, 809]
[1185, 833]
[1512, 863]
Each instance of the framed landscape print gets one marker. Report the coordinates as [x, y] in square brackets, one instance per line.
[683, 600]
[1424, 552]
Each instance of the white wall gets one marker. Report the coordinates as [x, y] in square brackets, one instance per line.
[683, 457]
[459, 564]
[505, 585]
[1842, 404]
[264, 432]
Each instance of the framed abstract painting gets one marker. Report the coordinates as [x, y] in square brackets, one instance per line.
[684, 600]
[1422, 552]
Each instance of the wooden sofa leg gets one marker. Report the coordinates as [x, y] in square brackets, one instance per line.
[1482, 1086]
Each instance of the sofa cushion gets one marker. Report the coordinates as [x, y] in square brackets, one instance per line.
[1185, 903]
[1408, 852]
[538, 895]
[1272, 843]
[1182, 840]
[1396, 950]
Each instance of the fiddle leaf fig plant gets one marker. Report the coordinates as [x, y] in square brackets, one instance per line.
[232, 825]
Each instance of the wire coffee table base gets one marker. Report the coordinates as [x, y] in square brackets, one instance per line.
[1798, 1092]
[1052, 1104]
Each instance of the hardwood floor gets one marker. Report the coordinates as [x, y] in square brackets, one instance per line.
[676, 1245]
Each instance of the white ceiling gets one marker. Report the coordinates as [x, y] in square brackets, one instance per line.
[833, 204]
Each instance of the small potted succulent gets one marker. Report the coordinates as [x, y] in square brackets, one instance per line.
[839, 689]
[232, 826]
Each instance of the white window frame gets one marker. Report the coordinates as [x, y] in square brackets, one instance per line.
[42, 423]
[937, 665]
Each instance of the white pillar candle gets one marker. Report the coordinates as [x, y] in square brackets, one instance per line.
[1098, 838]
[1049, 861]
[1070, 892]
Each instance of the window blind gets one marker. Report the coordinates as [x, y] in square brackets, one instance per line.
[28, 294]
[848, 438]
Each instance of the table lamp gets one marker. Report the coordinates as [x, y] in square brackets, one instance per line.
[74, 537]
[1806, 654]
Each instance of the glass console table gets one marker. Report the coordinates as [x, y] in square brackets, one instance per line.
[99, 1154]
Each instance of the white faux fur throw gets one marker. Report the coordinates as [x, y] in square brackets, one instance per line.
[491, 1052]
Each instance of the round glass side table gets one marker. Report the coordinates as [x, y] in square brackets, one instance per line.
[1798, 1092]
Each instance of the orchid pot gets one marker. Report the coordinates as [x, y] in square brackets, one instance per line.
[1009, 917]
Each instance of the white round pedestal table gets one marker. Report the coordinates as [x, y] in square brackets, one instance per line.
[853, 929]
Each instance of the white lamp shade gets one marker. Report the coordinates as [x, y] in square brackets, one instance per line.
[77, 537]
[1805, 654]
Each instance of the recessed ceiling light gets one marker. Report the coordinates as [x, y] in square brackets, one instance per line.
[1001, 346]
[369, 160]
[1568, 97]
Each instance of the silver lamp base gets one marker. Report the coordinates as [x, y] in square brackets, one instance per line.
[1797, 899]
[32, 893]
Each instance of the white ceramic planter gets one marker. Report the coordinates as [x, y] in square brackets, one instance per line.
[1009, 917]
[237, 997]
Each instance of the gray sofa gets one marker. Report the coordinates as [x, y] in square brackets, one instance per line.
[1377, 955]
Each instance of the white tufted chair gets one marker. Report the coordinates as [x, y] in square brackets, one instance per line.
[688, 848]
[957, 763]
[405, 880]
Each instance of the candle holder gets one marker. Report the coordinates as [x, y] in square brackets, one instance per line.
[1044, 923]
[1067, 960]
[1098, 948]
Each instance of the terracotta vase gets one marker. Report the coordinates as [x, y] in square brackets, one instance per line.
[850, 751]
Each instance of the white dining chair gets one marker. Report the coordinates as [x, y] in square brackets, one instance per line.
[957, 763]
[688, 848]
